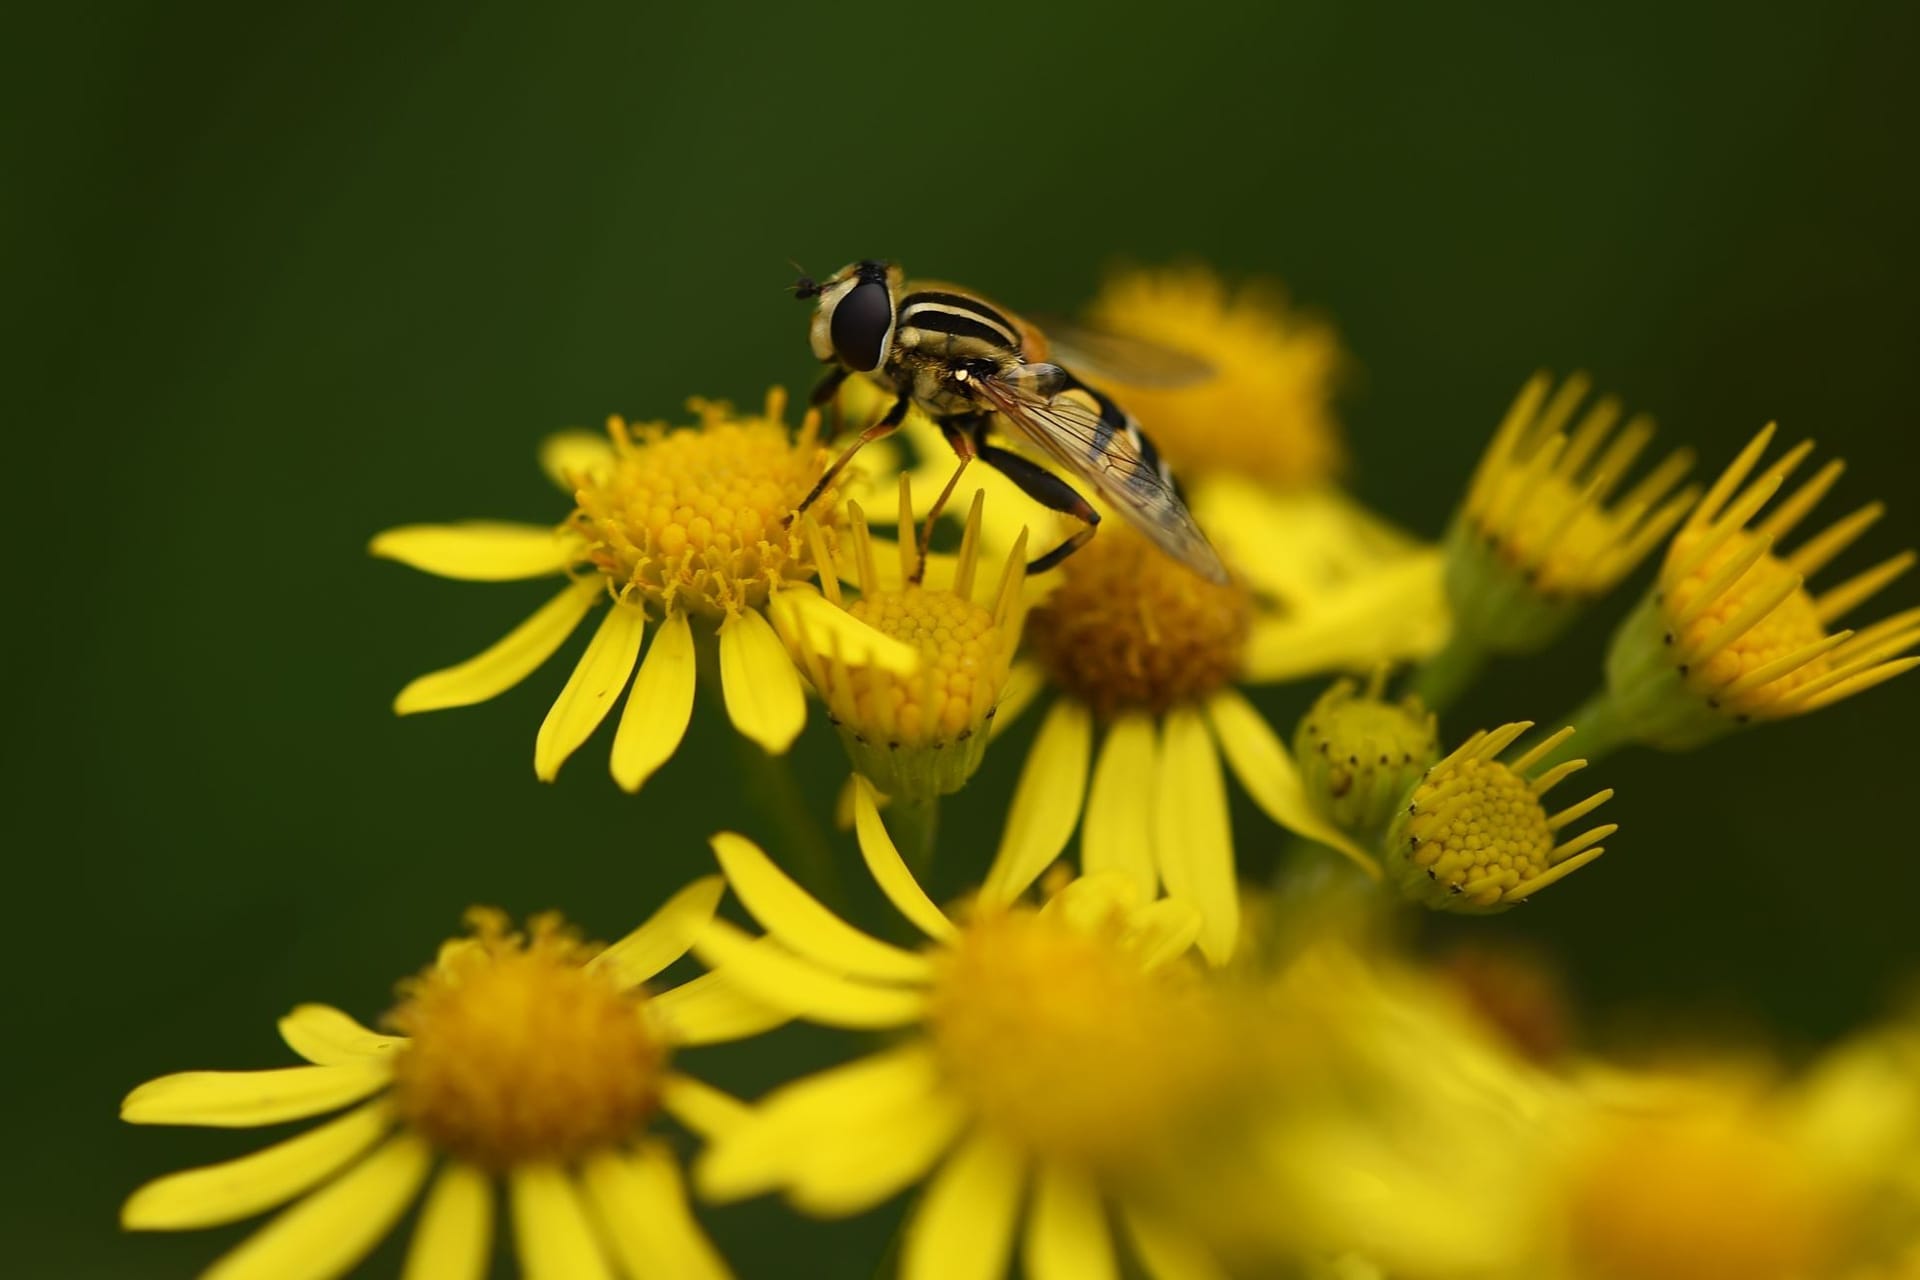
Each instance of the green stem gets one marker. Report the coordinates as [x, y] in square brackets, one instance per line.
[915, 828]
[1598, 730]
[1441, 679]
[804, 847]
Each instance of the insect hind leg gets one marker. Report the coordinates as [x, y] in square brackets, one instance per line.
[878, 431]
[1050, 491]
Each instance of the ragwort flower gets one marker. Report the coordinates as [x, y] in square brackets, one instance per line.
[918, 734]
[1050, 1054]
[1137, 644]
[1731, 635]
[532, 1059]
[686, 527]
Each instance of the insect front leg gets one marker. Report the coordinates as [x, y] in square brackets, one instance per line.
[824, 392]
[1050, 491]
[961, 434]
[878, 431]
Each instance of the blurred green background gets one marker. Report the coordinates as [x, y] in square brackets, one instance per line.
[281, 276]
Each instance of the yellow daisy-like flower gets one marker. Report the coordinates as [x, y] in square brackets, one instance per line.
[1474, 835]
[1265, 409]
[1152, 653]
[1544, 529]
[532, 1059]
[1050, 1054]
[917, 734]
[1731, 634]
[684, 526]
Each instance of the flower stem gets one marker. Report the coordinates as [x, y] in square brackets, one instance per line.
[1441, 679]
[915, 827]
[803, 846]
[1598, 730]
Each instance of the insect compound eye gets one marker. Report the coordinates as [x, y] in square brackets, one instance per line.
[860, 323]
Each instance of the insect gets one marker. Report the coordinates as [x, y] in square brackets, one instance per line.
[969, 365]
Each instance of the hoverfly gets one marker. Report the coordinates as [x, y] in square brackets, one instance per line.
[966, 363]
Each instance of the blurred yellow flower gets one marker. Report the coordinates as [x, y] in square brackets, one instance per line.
[685, 526]
[1731, 634]
[1544, 531]
[533, 1059]
[1265, 410]
[1051, 1054]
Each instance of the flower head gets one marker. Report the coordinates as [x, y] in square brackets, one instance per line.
[676, 529]
[1263, 407]
[529, 1057]
[1360, 754]
[1731, 633]
[917, 731]
[1067, 1046]
[1475, 836]
[1545, 528]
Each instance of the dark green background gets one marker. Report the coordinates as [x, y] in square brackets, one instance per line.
[280, 276]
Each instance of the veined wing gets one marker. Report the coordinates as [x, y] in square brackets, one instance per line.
[1106, 356]
[1098, 441]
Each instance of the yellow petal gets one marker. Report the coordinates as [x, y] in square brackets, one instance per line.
[1295, 547]
[710, 1009]
[1394, 613]
[1163, 930]
[572, 456]
[590, 691]
[1117, 835]
[509, 661]
[245, 1099]
[237, 1189]
[785, 981]
[889, 870]
[643, 1206]
[550, 1228]
[328, 1232]
[962, 1228]
[820, 625]
[762, 1151]
[1193, 840]
[790, 914]
[758, 681]
[667, 934]
[454, 1237]
[480, 550]
[1165, 1253]
[1260, 760]
[326, 1037]
[1067, 1236]
[869, 1162]
[658, 707]
[1046, 803]
[700, 1107]
[1025, 680]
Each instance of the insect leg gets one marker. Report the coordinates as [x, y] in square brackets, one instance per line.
[960, 434]
[879, 430]
[824, 391]
[1050, 491]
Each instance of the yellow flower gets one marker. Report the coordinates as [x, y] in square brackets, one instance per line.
[1474, 835]
[683, 526]
[1062, 1049]
[532, 1059]
[917, 734]
[1731, 634]
[1265, 410]
[1151, 652]
[1544, 529]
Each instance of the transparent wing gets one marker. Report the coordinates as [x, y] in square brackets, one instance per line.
[1096, 440]
[1106, 356]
